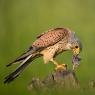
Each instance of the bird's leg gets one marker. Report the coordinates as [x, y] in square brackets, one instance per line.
[59, 66]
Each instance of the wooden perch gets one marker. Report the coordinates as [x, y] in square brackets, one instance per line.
[56, 80]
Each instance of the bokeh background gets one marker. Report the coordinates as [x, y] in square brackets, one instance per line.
[22, 20]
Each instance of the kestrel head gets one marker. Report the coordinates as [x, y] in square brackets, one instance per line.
[75, 43]
[76, 47]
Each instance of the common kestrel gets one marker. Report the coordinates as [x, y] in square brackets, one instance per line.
[48, 45]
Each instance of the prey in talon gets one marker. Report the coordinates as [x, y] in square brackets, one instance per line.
[47, 45]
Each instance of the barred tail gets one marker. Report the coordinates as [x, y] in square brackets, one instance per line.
[23, 65]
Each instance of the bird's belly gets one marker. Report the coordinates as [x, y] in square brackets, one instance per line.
[51, 51]
[48, 53]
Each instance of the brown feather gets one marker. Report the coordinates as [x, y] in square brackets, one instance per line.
[51, 37]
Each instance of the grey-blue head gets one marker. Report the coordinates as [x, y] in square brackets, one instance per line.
[76, 44]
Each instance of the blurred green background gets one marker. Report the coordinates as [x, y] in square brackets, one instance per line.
[22, 20]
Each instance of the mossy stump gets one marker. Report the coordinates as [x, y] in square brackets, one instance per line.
[58, 79]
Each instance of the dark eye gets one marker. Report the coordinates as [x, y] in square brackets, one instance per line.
[76, 46]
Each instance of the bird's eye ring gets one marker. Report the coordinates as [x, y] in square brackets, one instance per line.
[76, 46]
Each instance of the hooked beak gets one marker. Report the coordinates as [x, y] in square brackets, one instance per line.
[76, 51]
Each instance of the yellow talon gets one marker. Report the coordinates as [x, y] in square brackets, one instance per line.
[61, 67]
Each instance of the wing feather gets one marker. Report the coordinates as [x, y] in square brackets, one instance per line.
[51, 37]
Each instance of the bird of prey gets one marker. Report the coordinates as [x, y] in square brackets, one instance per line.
[48, 45]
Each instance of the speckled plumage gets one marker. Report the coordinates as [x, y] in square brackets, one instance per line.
[51, 37]
[48, 44]
[53, 41]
